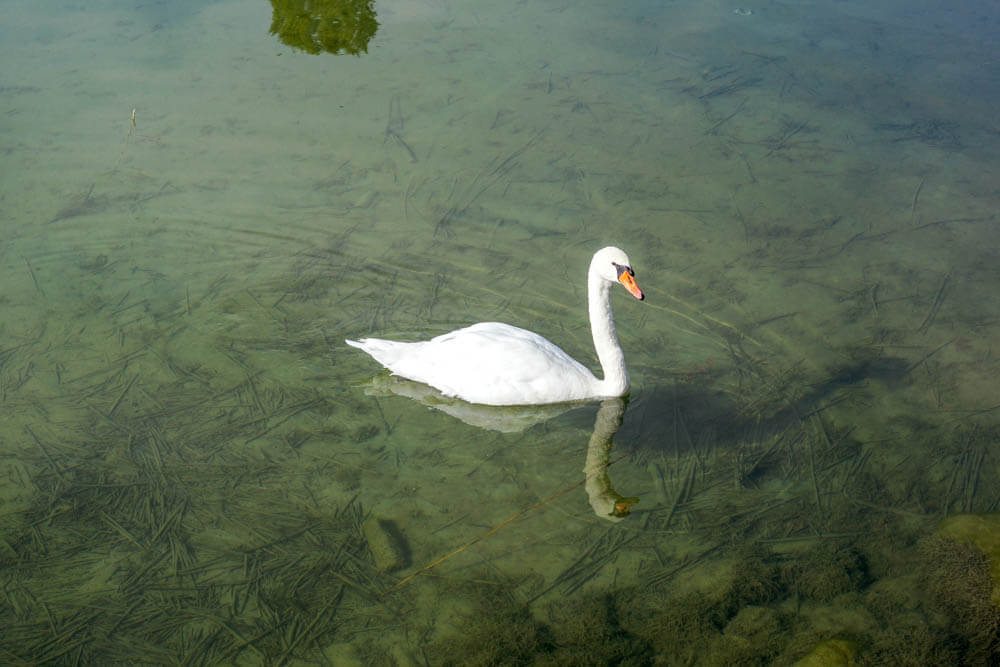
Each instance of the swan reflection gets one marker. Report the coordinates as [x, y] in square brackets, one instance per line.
[606, 502]
[505, 419]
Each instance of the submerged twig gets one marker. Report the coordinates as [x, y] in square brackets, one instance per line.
[916, 196]
[938, 299]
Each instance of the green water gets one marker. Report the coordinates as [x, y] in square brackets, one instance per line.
[196, 211]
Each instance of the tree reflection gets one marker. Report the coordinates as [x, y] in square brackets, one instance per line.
[331, 26]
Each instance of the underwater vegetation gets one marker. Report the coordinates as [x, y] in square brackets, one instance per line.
[502, 631]
[962, 576]
[826, 572]
[755, 613]
[981, 531]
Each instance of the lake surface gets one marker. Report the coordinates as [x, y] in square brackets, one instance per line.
[201, 200]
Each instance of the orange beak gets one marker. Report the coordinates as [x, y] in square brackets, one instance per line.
[627, 279]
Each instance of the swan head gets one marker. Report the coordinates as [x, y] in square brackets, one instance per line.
[613, 265]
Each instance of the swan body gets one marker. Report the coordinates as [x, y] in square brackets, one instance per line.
[498, 364]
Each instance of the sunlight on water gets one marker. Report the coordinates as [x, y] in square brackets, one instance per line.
[201, 201]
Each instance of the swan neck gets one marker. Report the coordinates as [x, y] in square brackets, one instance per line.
[602, 327]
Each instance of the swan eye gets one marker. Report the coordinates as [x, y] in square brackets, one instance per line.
[623, 269]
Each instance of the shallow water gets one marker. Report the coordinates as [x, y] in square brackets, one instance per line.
[195, 215]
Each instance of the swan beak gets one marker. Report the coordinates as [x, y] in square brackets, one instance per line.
[627, 279]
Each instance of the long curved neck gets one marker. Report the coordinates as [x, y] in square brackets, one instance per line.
[602, 327]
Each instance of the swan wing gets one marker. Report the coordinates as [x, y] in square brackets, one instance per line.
[490, 363]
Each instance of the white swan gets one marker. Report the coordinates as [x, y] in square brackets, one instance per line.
[499, 364]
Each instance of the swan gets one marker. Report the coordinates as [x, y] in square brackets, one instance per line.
[492, 363]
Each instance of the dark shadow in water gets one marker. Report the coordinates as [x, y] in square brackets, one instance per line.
[669, 418]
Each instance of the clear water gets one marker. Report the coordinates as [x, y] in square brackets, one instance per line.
[196, 214]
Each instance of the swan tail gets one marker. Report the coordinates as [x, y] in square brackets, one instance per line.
[386, 352]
